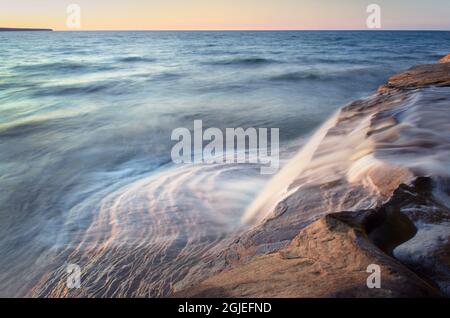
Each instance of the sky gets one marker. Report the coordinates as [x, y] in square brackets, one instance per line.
[226, 14]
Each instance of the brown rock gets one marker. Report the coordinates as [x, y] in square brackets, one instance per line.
[445, 59]
[329, 258]
[419, 76]
[363, 163]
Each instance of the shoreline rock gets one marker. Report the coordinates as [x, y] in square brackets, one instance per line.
[24, 29]
[375, 191]
[420, 76]
[445, 59]
[329, 258]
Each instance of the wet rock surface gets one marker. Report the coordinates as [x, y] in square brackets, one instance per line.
[330, 258]
[421, 76]
[371, 188]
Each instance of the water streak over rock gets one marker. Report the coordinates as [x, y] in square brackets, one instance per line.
[371, 186]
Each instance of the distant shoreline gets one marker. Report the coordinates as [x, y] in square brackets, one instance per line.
[225, 30]
[22, 29]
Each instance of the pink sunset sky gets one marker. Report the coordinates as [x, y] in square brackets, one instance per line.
[226, 14]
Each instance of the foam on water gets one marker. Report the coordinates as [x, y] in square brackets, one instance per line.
[164, 222]
[278, 188]
[378, 151]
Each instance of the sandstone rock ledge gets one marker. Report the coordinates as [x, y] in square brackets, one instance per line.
[330, 257]
[375, 191]
[445, 59]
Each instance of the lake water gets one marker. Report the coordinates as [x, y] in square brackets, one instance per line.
[85, 125]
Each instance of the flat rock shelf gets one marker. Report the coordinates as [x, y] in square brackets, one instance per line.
[372, 187]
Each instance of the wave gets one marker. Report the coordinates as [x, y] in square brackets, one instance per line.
[297, 76]
[163, 76]
[249, 61]
[67, 90]
[115, 87]
[136, 59]
[326, 75]
[337, 60]
[62, 68]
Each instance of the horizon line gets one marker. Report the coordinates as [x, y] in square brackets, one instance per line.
[215, 30]
[240, 30]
